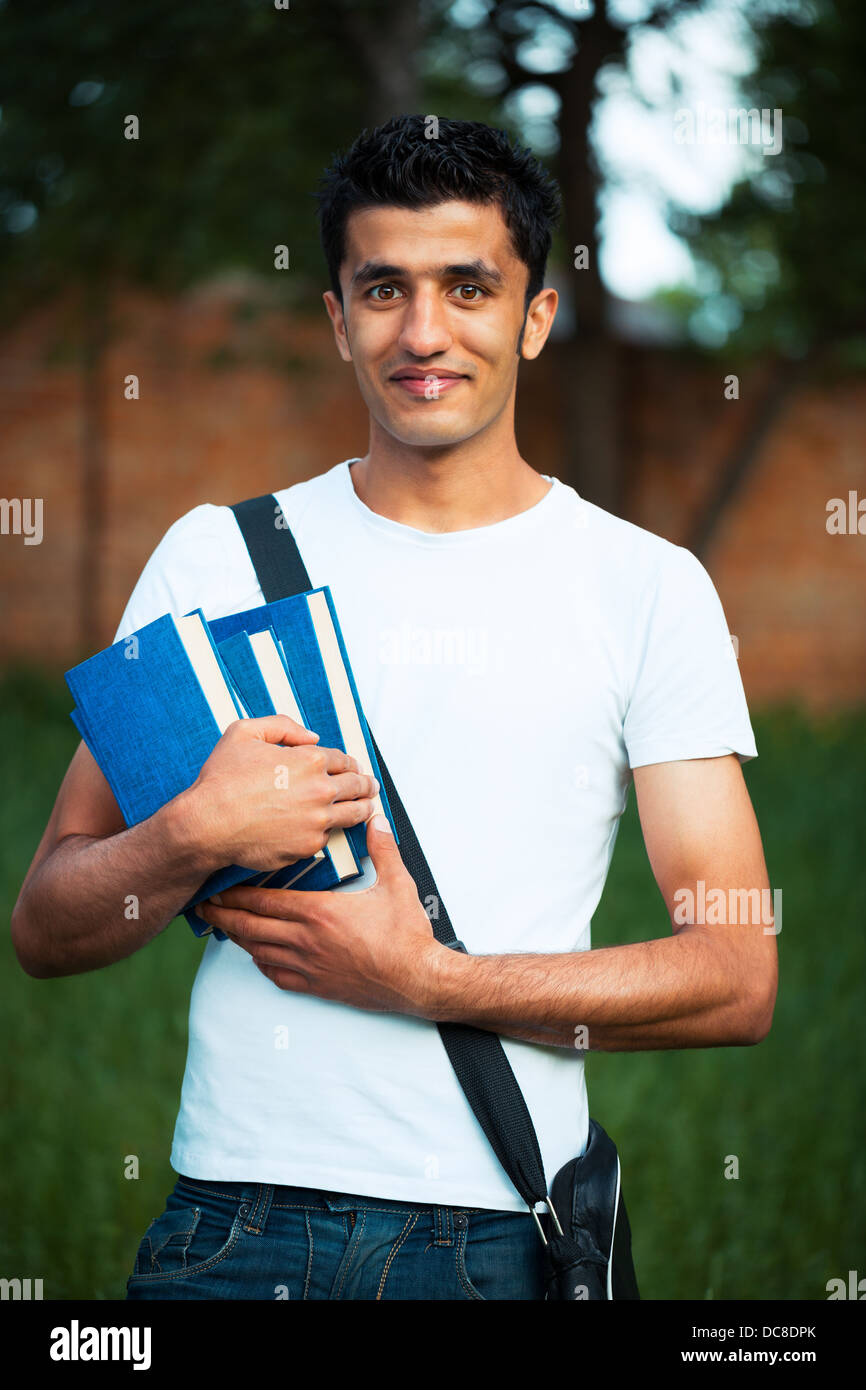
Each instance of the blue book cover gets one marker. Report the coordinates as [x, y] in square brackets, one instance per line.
[244, 670]
[295, 627]
[144, 713]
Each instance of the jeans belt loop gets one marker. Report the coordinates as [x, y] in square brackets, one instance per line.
[258, 1214]
[443, 1227]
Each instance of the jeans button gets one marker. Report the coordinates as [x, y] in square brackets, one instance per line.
[460, 1220]
[244, 1210]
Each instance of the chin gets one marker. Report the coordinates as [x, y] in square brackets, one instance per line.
[441, 430]
[427, 438]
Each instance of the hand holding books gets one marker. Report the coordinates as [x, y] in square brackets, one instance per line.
[154, 707]
[268, 795]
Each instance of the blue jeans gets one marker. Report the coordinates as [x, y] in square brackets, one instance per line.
[256, 1240]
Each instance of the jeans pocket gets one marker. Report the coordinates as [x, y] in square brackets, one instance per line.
[187, 1240]
[164, 1245]
[499, 1256]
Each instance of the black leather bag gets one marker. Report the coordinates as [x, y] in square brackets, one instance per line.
[592, 1258]
[584, 1227]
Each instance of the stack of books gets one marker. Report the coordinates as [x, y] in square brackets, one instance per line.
[152, 707]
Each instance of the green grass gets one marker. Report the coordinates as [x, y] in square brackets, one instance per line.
[791, 1108]
[93, 1063]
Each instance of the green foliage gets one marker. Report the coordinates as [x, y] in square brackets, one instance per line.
[239, 106]
[784, 256]
[94, 1062]
[790, 1108]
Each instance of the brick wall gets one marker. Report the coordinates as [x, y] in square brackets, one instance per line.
[232, 405]
[794, 595]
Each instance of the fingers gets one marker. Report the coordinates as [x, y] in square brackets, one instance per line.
[346, 813]
[349, 786]
[337, 762]
[278, 728]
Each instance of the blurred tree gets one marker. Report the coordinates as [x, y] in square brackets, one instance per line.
[780, 258]
[782, 263]
[565, 48]
[156, 144]
[240, 105]
[780, 251]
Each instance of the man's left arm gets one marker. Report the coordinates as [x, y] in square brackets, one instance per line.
[709, 984]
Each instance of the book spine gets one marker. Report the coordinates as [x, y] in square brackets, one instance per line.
[365, 728]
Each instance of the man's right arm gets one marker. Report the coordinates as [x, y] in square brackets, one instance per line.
[97, 891]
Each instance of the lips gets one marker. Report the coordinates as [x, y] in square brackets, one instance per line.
[431, 384]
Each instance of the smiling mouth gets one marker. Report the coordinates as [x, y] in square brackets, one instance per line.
[429, 386]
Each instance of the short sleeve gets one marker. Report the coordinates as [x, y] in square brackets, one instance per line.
[687, 698]
[186, 570]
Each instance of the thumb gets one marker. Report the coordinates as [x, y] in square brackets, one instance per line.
[381, 845]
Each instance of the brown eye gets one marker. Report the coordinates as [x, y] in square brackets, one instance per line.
[476, 288]
[388, 288]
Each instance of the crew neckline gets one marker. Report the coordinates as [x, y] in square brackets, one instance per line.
[467, 536]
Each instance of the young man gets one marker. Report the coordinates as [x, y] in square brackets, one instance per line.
[521, 655]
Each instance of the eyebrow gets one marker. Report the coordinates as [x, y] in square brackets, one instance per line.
[470, 270]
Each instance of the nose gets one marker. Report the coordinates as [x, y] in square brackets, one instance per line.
[424, 329]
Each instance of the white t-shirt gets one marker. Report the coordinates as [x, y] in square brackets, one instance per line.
[512, 674]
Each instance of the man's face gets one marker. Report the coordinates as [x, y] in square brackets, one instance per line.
[433, 307]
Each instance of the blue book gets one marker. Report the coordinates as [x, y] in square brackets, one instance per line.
[151, 708]
[242, 665]
[308, 630]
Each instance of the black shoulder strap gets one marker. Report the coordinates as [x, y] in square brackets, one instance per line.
[477, 1056]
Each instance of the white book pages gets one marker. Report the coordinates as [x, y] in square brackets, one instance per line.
[210, 675]
[341, 690]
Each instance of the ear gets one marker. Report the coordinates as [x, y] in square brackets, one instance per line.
[337, 317]
[539, 321]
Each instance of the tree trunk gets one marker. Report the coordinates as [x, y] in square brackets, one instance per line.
[591, 387]
[740, 464]
[93, 463]
[388, 41]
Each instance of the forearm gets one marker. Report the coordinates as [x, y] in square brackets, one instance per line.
[95, 900]
[675, 992]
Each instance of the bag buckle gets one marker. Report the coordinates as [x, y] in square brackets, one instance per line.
[555, 1220]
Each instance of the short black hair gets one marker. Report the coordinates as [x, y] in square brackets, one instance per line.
[400, 163]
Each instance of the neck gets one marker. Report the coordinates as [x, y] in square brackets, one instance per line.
[449, 488]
